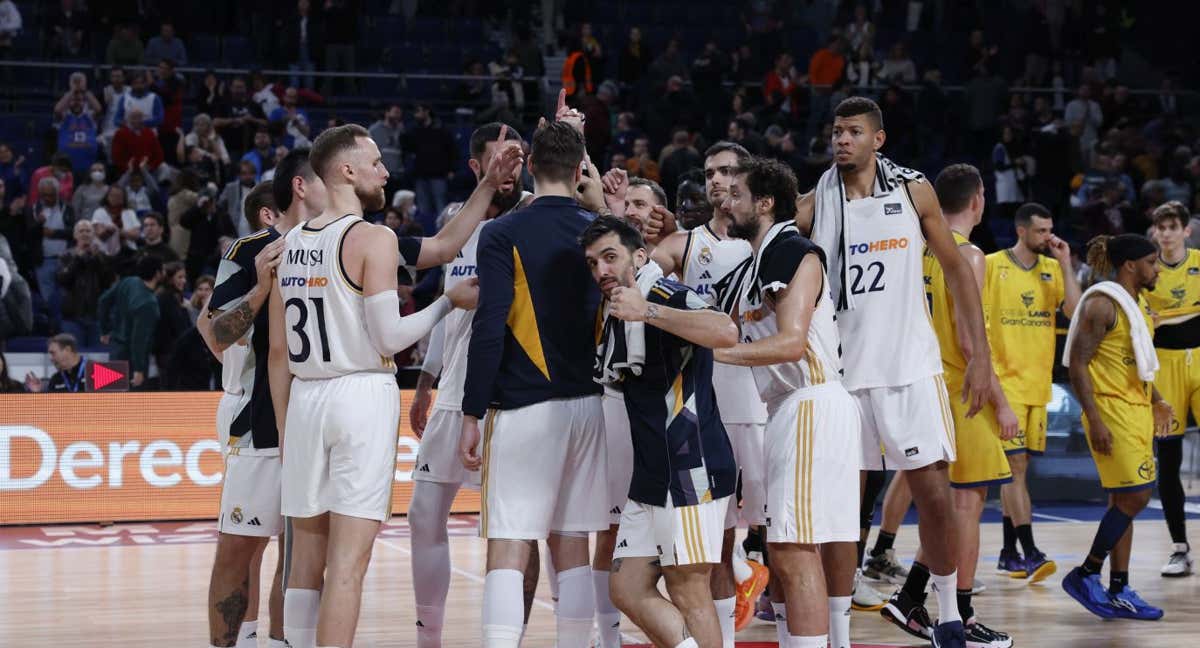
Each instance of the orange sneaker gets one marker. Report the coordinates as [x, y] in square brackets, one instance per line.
[748, 592]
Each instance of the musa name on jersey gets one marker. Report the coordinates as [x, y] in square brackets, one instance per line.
[1178, 287]
[1019, 306]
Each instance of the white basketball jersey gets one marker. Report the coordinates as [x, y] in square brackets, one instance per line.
[237, 367]
[326, 326]
[821, 362]
[706, 260]
[887, 338]
[457, 329]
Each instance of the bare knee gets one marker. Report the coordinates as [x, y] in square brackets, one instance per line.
[235, 553]
[1019, 464]
[1132, 503]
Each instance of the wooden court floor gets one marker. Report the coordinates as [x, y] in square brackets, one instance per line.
[145, 585]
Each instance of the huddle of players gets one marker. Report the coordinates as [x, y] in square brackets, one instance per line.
[523, 362]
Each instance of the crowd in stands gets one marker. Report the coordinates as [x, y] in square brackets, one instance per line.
[149, 163]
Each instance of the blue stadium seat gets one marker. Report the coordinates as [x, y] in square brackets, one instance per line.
[26, 344]
[204, 50]
[236, 50]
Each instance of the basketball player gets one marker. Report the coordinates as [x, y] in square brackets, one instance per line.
[870, 216]
[670, 527]
[334, 326]
[812, 436]
[1023, 290]
[979, 453]
[529, 364]
[438, 474]
[701, 258]
[1178, 379]
[1112, 366]
[250, 494]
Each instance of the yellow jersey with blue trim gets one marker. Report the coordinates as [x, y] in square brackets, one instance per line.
[323, 309]
[1178, 287]
[941, 307]
[1019, 306]
[1114, 369]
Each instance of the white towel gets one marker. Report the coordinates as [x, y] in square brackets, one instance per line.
[622, 346]
[1143, 340]
[828, 230]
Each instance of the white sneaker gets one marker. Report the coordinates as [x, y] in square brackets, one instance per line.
[864, 597]
[1180, 562]
[978, 587]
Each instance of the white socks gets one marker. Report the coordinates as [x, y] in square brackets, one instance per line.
[429, 625]
[725, 612]
[430, 546]
[503, 608]
[781, 630]
[818, 641]
[687, 643]
[741, 571]
[276, 643]
[300, 610]
[608, 617]
[576, 607]
[839, 622]
[248, 635]
[947, 596]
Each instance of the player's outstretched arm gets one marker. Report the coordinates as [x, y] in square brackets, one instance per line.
[699, 325]
[794, 308]
[431, 368]
[279, 376]
[1099, 315]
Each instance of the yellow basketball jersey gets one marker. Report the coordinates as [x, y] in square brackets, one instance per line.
[1113, 368]
[941, 308]
[1019, 306]
[1178, 285]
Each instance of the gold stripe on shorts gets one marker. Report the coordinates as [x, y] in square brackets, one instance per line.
[692, 525]
[947, 414]
[803, 479]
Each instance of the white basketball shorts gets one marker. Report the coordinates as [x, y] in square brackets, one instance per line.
[544, 469]
[620, 453]
[747, 441]
[812, 451]
[437, 458]
[678, 536]
[227, 409]
[906, 428]
[339, 449]
[250, 495]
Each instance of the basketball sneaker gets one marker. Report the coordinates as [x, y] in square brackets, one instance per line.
[1038, 567]
[885, 568]
[949, 635]
[763, 610]
[1011, 563]
[981, 636]
[1090, 592]
[1180, 562]
[748, 592]
[1128, 605]
[864, 597]
[909, 615]
[978, 587]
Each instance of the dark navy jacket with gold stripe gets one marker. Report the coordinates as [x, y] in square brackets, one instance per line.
[533, 336]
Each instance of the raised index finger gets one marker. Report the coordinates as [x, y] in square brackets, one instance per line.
[562, 101]
[503, 133]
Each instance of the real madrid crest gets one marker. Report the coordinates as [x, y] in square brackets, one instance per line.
[236, 516]
[705, 256]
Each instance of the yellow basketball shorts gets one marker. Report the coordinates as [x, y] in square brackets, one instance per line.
[1178, 381]
[1031, 437]
[980, 459]
[1130, 464]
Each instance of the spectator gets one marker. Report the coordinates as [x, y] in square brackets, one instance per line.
[19, 234]
[16, 300]
[861, 32]
[77, 88]
[861, 69]
[239, 119]
[634, 59]
[59, 169]
[509, 73]
[128, 313]
[117, 225]
[114, 96]
[84, 273]
[591, 45]
[1084, 113]
[682, 158]
[211, 96]
[152, 241]
[263, 93]
[533, 66]
[70, 375]
[341, 39]
[745, 67]
[204, 142]
[125, 48]
[401, 222]
[141, 188]
[66, 28]
[169, 86]
[52, 220]
[165, 47]
[140, 98]
[986, 97]
[1010, 167]
[781, 87]
[825, 69]
[1108, 213]
[641, 165]
[979, 52]
[627, 132]
[206, 226]
[12, 170]
[434, 156]
[597, 119]
[387, 133]
[202, 290]
[1122, 110]
[182, 199]
[668, 64]
[136, 144]
[7, 384]
[10, 26]
[1051, 149]
[292, 120]
[233, 198]
[898, 67]
[577, 72]
[302, 43]
[77, 134]
[262, 156]
[89, 195]
[173, 319]
[676, 107]
[1166, 100]
[280, 153]
[741, 131]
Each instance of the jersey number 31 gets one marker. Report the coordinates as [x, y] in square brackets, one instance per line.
[318, 307]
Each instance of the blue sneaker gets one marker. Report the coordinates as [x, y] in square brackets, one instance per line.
[1128, 605]
[1091, 594]
[949, 635]
[1011, 563]
[1038, 567]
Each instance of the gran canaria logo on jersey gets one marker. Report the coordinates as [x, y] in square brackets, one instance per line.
[1026, 316]
[1027, 298]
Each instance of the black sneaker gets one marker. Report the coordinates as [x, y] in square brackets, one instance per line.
[981, 636]
[909, 615]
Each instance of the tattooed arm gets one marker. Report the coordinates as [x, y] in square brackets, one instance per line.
[232, 325]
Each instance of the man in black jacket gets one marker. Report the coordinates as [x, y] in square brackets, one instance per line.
[434, 151]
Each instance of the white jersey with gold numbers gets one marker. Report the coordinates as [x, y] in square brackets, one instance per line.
[323, 310]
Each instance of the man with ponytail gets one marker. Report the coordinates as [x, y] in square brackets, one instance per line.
[1110, 355]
